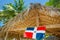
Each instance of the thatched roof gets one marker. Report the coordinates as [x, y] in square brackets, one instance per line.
[35, 15]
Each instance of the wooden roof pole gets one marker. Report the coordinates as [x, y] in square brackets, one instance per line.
[37, 6]
[37, 20]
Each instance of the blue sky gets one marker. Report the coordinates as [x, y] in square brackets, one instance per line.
[1, 23]
[26, 2]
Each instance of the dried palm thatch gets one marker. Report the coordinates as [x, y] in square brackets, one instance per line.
[35, 15]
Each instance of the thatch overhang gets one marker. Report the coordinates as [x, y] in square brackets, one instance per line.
[35, 15]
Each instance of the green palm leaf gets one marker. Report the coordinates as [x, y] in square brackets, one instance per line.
[10, 10]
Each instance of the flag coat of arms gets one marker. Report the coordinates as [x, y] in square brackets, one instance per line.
[35, 32]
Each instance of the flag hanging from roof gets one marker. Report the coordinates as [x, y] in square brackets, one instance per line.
[35, 32]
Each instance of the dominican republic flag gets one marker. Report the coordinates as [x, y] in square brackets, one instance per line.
[35, 32]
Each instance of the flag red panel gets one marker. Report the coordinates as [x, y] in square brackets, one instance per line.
[41, 28]
[28, 35]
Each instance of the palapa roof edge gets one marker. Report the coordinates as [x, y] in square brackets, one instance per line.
[18, 17]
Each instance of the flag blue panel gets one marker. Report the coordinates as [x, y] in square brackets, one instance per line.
[30, 28]
[40, 35]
